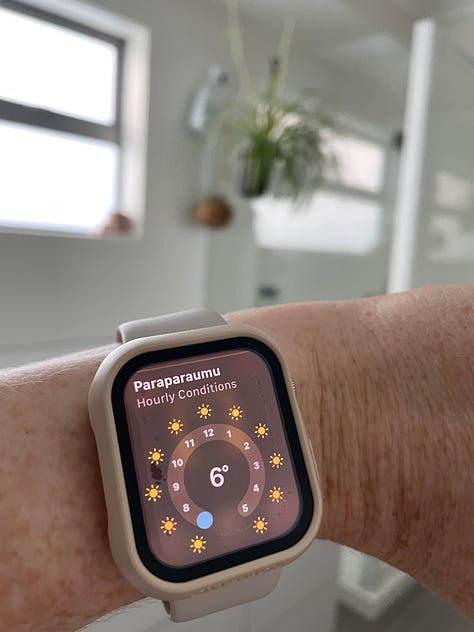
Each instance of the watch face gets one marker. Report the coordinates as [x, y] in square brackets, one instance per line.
[212, 462]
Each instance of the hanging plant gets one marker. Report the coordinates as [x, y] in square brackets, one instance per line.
[278, 143]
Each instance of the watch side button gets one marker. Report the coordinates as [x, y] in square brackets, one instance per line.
[314, 460]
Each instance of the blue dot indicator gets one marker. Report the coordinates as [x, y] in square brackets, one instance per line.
[204, 520]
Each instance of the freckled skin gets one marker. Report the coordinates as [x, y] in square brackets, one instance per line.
[56, 572]
[386, 387]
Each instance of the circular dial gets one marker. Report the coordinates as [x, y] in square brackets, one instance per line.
[215, 468]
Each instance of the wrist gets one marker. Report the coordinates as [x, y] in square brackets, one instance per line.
[349, 379]
[390, 414]
[307, 334]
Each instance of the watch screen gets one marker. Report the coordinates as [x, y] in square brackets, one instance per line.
[212, 462]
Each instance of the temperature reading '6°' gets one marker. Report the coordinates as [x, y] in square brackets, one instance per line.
[216, 475]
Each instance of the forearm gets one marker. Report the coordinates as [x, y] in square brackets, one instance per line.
[56, 571]
[385, 386]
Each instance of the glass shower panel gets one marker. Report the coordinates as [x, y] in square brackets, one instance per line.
[434, 219]
[445, 251]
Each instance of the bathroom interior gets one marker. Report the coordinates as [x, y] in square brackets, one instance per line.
[118, 201]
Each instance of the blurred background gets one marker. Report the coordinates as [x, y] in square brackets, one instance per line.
[158, 155]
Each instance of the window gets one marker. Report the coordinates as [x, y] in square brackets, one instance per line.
[345, 216]
[62, 154]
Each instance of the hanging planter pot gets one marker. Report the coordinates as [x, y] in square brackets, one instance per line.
[255, 179]
[257, 168]
[213, 212]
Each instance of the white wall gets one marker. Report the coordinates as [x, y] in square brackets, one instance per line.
[59, 288]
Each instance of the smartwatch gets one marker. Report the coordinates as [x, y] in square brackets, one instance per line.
[209, 477]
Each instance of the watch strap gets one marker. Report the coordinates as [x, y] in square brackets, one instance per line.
[168, 324]
[232, 593]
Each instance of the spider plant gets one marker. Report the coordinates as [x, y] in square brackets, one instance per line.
[278, 141]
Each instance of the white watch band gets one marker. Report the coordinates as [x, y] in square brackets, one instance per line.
[236, 592]
[215, 599]
[168, 324]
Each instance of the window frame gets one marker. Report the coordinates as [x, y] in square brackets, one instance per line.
[129, 132]
[49, 119]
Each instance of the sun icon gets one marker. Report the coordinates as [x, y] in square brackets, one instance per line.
[153, 493]
[261, 431]
[276, 494]
[236, 413]
[276, 460]
[260, 525]
[168, 525]
[175, 426]
[204, 411]
[198, 544]
[155, 456]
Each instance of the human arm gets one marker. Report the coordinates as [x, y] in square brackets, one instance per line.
[385, 387]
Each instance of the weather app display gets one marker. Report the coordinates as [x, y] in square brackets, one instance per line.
[211, 456]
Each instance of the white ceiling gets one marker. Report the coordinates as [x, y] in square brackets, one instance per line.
[434, 8]
[344, 40]
[366, 41]
[379, 60]
[329, 24]
[323, 24]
